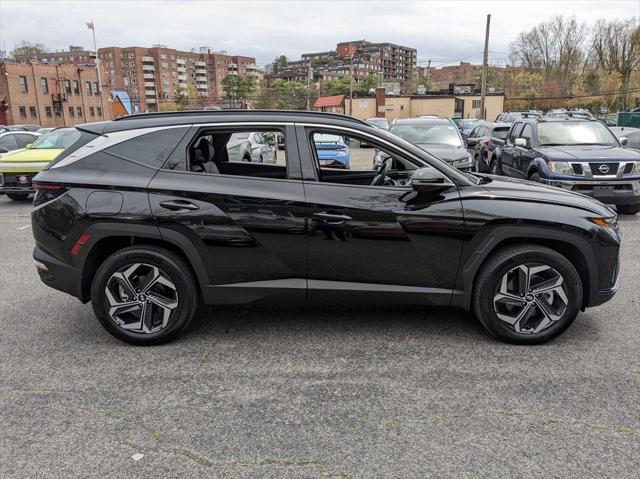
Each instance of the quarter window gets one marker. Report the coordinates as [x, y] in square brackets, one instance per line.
[151, 149]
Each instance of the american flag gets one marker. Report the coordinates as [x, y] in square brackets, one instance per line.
[90, 25]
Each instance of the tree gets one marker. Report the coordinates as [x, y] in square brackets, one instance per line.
[279, 63]
[555, 48]
[25, 50]
[239, 88]
[184, 97]
[616, 48]
[289, 95]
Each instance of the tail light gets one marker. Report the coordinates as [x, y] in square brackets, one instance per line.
[84, 237]
[46, 192]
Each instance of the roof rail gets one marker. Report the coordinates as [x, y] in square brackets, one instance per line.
[183, 113]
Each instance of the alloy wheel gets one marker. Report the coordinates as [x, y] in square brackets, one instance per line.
[141, 298]
[531, 298]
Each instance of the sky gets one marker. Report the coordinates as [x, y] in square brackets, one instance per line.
[446, 32]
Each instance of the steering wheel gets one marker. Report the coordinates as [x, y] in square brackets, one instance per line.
[382, 172]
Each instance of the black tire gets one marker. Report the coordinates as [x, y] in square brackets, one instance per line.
[628, 209]
[489, 279]
[534, 177]
[18, 196]
[495, 168]
[177, 271]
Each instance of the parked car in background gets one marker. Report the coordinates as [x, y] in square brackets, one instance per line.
[17, 168]
[44, 131]
[251, 146]
[126, 222]
[24, 127]
[575, 113]
[379, 122]
[608, 121]
[465, 126]
[511, 116]
[484, 143]
[332, 151]
[15, 140]
[631, 134]
[438, 136]
[575, 154]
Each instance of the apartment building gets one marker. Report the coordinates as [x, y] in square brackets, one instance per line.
[51, 95]
[389, 62]
[154, 78]
[75, 55]
[461, 74]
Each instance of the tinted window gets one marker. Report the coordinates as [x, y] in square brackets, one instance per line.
[23, 139]
[151, 149]
[526, 133]
[8, 142]
[475, 132]
[501, 132]
[515, 131]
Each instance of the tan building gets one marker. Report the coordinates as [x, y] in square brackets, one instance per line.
[445, 106]
[154, 77]
[51, 95]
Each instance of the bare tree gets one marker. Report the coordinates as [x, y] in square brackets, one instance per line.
[554, 48]
[25, 50]
[616, 48]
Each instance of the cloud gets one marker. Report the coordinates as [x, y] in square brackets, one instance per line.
[444, 31]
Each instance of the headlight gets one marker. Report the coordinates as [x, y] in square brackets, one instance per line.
[463, 161]
[561, 167]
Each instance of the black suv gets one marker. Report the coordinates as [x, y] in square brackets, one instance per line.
[576, 154]
[146, 216]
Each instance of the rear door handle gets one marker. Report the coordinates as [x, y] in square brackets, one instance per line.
[177, 205]
[331, 218]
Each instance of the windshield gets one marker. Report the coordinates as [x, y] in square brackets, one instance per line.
[428, 133]
[575, 133]
[56, 139]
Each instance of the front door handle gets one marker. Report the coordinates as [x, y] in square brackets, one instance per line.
[177, 205]
[332, 218]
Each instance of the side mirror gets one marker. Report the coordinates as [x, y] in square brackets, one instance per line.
[521, 142]
[471, 141]
[3, 150]
[623, 140]
[427, 179]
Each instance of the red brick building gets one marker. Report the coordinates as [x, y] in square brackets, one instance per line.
[51, 95]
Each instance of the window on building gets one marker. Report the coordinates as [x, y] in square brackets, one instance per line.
[48, 111]
[44, 85]
[96, 88]
[76, 87]
[475, 104]
[72, 111]
[67, 86]
[92, 111]
[57, 109]
[23, 84]
[33, 112]
[79, 111]
[23, 111]
[87, 86]
[99, 111]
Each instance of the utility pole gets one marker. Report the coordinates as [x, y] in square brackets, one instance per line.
[428, 74]
[485, 58]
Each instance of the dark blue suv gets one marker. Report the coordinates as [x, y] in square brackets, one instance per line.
[580, 155]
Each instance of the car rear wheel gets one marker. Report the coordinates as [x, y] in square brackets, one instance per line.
[144, 295]
[534, 177]
[18, 196]
[527, 294]
[628, 209]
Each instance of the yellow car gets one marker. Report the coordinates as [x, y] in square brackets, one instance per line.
[18, 167]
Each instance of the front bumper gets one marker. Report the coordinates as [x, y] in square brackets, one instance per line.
[624, 192]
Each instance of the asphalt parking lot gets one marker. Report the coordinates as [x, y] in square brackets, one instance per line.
[316, 393]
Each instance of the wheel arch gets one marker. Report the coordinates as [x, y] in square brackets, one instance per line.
[576, 249]
[104, 243]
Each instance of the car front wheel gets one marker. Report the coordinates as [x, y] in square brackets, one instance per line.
[527, 294]
[144, 295]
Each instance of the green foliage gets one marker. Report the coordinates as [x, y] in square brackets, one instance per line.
[280, 62]
[289, 95]
[184, 97]
[238, 88]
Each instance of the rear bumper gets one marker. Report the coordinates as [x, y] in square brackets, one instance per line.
[16, 182]
[57, 274]
[610, 192]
